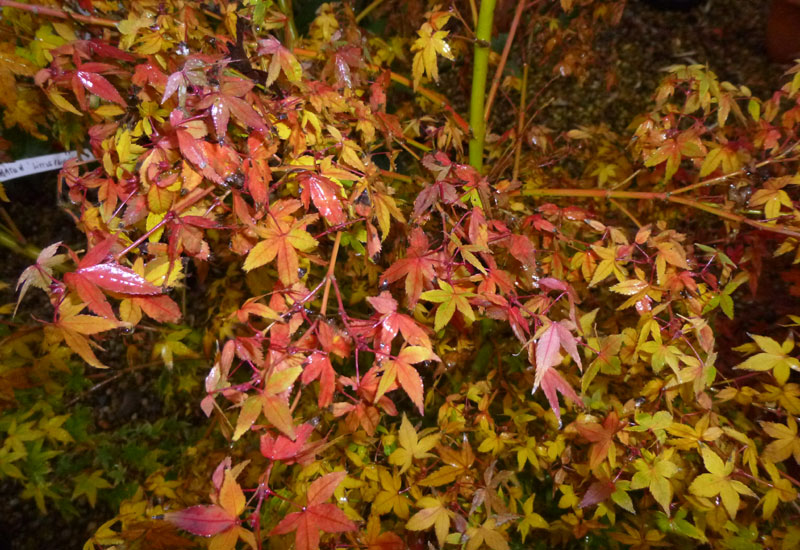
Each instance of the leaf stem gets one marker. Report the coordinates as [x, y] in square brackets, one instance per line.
[520, 123]
[480, 68]
[59, 13]
[366, 11]
[665, 196]
[8, 241]
[290, 35]
[329, 276]
[498, 74]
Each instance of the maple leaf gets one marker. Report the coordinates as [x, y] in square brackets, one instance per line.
[416, 267]
[400, 370]
[282, 60]
[92, 276]
[319, 366]
[690, 437]
[486, 534]
[449, 299]
[392, 322]
[654, 472]
[786, 442]
[282, 236]
[602, 438]
[781, 490]
[429, 43]
[774, 357]
[390, 499]
[283, 448]
[548, 356]
[324, 193]
[530, 520]
[717, 482]
[376, 540]
[73, 328]
[88, 485]
[213, 519]
[86, 77]
[39, 275]
[411, 446]
[316, 516]
[433, 514]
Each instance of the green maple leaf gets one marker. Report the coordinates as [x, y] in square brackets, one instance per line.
[88, 484]
[450, 298]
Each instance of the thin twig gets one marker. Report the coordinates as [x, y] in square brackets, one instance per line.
[520, 124]
[59, 13]
[366, 11]
[498, 74]
[329, 276]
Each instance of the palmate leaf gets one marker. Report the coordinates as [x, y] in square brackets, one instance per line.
[450, 298]
[433, 514]
[316, 516]
[282, 237]
[400, 370]
[717, 482]
[547, 357]
[428, 45]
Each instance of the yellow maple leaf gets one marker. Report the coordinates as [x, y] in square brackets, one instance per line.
[717, 482]
[433, 514]
[429, 43]
[411, 446]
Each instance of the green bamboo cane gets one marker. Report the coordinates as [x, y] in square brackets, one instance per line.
[483, 37]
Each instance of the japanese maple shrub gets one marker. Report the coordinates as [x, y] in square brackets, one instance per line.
[406, 348]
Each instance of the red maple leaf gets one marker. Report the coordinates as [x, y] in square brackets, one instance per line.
[416, 267]
[324, 193]
[317, 515]
[319, 366]
[92, 278]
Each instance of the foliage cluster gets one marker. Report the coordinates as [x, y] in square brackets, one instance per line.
[371, 312]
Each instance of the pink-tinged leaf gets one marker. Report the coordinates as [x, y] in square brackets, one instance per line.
[598, 492]
[322, 489]
[204, 521]
[282, 448]
[107, 50]
[547, 349]
[553, 284]
[173, 82]
[116, 278]
[159, 308]
[325, 196]
[551, 381]
[568, 342]
[98, 253]
[190, 149]
[101, 87]
[287, 524]
[319, 366]
[245, 114]
[200, 221]
[330, 519]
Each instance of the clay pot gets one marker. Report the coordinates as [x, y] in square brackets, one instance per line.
[783, 31]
